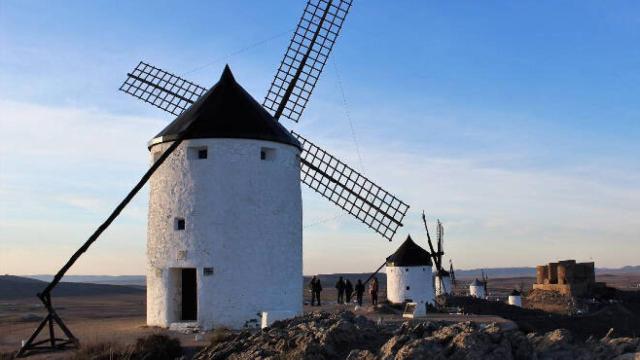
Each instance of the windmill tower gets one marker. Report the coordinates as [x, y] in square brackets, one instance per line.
[515, 298]
[225, 213]
[476, 289]
[409, 275]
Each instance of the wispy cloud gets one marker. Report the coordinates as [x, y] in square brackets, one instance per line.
[64, 168]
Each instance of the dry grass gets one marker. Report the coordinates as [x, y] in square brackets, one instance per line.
[220, 335]
[103, 351]
[160, 347]
[8, 355]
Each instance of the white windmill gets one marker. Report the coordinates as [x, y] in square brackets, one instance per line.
[225, 212]
[409, 275]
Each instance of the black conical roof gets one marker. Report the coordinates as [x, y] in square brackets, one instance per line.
[409, 254]
[227, 111]
[515, 293]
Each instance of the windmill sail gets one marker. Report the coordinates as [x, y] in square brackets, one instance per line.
[350, 190]
[321, 171]
[305, 57]
[161, 89]
[440, 239]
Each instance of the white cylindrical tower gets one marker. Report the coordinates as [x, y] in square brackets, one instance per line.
[515, 298]
[442, 282]
[409, 275]
[225, 216]
[476, 289]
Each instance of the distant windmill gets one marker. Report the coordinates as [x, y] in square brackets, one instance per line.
[226, 207]
[442, 278]
[478, 288]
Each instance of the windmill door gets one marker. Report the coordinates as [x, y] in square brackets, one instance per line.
[189, 295]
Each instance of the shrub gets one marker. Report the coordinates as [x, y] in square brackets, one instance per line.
[158, 347]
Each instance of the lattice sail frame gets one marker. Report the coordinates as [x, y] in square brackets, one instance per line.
[321, 171]
[305, 57]
[161, 89]
[350, 190]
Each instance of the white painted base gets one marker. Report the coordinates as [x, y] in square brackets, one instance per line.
[414, 310]
[443, 285]
[477, 292]
[269, 317]
[515, 300]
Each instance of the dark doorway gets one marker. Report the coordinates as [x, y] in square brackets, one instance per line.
[189, 295]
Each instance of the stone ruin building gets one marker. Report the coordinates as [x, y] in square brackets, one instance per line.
[567, 277]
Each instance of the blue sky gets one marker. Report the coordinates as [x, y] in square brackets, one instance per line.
[515, 123]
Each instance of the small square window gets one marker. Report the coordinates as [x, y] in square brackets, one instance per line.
[180, 224]
[197, 152]
[267, 154]
[406, 269]
[208, 271]
[408, 287]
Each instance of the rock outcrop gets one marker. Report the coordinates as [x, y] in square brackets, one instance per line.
[346, 336]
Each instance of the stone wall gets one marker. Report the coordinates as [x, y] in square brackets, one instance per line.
[566, 277]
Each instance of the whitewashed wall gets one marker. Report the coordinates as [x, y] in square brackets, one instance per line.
[477, 291]
[443, 285]
[243, 218]
[515, 300]
[417, 278]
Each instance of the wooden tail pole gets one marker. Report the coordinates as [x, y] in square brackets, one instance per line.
[374, 273]
[52, 317]
[434, 254]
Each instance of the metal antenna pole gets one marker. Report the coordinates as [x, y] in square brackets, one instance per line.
[45, 296]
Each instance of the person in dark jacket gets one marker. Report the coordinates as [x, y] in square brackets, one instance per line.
[373, 290]
[348, 290]
[340, 285]
[316, 288]
[359, 291]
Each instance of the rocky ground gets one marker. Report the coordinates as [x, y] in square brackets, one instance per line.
[343, 335]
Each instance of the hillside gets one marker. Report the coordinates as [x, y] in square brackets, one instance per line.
[139, 280]
[16, 287]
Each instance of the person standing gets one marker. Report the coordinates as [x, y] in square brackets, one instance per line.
[373, 291]
[348, 290]
[359, 291]
[340, 285]
[316, 288]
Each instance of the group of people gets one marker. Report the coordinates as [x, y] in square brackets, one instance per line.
[345, 291]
